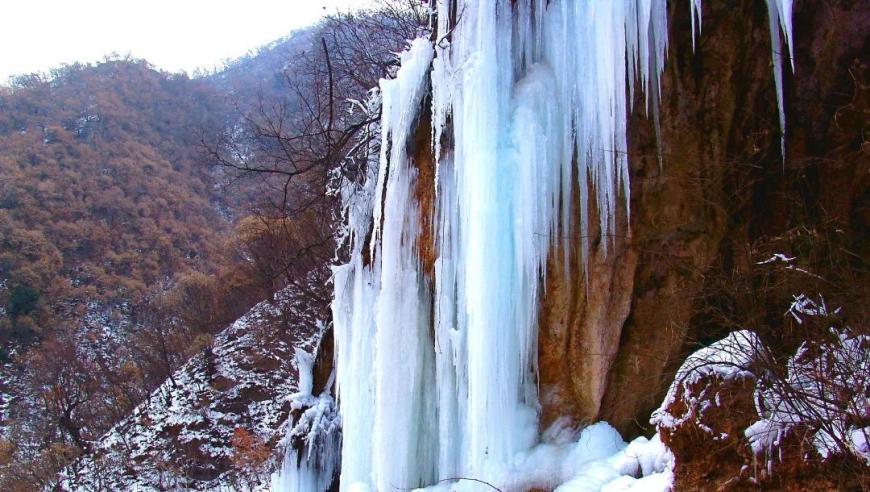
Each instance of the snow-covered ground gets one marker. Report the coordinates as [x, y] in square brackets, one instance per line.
[182, 438]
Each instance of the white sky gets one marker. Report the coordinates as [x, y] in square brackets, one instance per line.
[174, 35]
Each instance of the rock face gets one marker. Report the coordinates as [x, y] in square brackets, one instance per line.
[726, 423]
[608, 347]
[708, 185]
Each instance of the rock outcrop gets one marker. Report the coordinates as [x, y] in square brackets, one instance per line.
[609, 346]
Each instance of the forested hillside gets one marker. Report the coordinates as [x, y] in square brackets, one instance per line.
[142, 212]
[101, 194]
[111, 232]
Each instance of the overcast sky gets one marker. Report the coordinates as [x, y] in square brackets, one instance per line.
[174, 35]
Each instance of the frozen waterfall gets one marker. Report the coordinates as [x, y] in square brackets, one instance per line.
[436, 376]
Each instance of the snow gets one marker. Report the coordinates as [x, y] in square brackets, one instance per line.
[600, 460]
[824, 393]
[787, 263]
[251, 357]
[728, 359]
[860, 442]
[821, 399]
[805, 306]
[777, 257]
[596, 459]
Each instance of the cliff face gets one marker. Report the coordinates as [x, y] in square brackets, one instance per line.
[608, 348]
[499, 267]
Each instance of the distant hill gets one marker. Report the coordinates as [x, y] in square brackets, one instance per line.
[102, 191]
[262, 71]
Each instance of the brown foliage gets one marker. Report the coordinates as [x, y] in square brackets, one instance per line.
[103, 203]
[101, 196]
[249, 451]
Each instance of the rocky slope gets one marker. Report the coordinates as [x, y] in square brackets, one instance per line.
[216, 424]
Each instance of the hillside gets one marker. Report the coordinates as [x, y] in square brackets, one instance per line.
[216, 423]
[102, 193]
[111, 225]
[141, 213]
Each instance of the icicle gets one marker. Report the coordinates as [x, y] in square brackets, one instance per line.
[313, 444]
[356, 289]
[381, 314]
[779, 15]
[528, 91]
[695, 13]
[304, 368]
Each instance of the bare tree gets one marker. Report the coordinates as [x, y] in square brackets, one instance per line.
[295, 147]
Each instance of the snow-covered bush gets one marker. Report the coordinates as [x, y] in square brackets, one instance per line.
[823, 392]
[817, 398]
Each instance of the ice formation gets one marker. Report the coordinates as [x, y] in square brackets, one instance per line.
[437, 371]
[527, 91]
[313, 444]
[779, 15]
[384, 353]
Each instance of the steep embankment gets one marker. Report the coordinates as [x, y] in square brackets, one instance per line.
[216, 423]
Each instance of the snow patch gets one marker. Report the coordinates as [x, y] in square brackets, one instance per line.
[729, 359]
